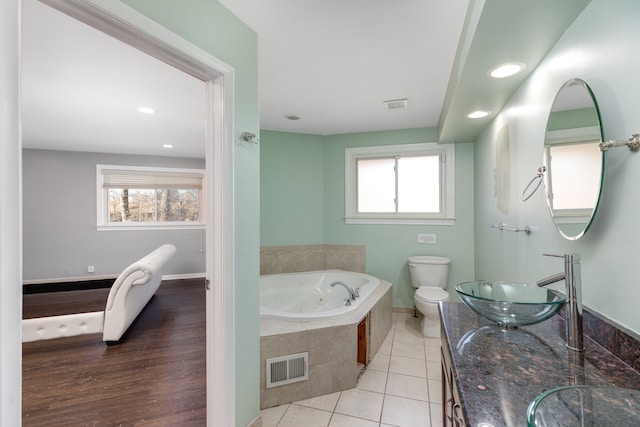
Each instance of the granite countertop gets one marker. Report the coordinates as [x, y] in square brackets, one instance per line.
[498, 373]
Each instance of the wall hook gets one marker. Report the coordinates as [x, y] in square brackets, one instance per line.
[249, 137]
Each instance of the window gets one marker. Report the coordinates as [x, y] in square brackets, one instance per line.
[400, 184]
[571, 157]
[146, 198]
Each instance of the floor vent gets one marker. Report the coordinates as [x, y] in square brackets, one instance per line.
[287, 369]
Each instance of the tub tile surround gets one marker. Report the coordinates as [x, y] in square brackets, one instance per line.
[332, 347]
[330, 352]
[378, 400]
[299, 258]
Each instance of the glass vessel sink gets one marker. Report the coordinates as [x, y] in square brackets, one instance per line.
[511, 304]
[585, 406]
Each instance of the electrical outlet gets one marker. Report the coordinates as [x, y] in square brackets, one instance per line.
[91, 269]
[427, 238]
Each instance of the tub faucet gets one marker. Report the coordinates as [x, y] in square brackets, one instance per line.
[573, 293]
[353, 293]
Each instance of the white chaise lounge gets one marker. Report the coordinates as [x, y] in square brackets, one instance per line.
[129, 294]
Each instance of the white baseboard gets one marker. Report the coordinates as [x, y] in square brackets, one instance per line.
[184, 276]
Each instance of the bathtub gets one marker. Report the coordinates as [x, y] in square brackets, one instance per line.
[308, 296]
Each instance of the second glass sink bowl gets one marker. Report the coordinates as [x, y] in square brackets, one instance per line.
[581, 406]
[511, 304]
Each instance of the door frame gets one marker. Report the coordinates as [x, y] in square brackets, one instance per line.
[131, 27]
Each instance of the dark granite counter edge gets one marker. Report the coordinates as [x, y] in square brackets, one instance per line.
[616, 339]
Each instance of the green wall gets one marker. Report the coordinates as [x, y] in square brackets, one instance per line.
[291, 189]
[609, 250]
[389, 246]
[210, 26]
[285, 156]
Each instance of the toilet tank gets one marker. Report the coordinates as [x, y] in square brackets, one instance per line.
[429, 271]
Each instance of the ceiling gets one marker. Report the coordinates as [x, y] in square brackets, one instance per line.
[81, 90]
[332, 63]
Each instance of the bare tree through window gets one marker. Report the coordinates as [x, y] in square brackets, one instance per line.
[153, 205]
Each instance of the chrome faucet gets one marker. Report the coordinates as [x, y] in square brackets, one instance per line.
[573, 293]
[353, 293]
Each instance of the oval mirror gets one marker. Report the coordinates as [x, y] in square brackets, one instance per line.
[573, 160]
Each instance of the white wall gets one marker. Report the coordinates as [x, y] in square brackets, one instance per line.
[600, 47]
[10, 215]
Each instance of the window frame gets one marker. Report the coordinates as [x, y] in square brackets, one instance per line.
[446, 152]
[102, 203]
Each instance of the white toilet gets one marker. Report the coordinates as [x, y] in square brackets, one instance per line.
[429, 275]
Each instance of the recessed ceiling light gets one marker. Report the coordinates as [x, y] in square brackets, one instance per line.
[506, 70]
[146, 110]
[292, 117]
[478, 114]
[167, 146]
[394, 104]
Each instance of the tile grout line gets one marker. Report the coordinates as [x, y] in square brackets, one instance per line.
[283, 414]
[386, 381]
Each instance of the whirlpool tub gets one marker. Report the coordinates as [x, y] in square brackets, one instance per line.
[302, 313]
[308, 296]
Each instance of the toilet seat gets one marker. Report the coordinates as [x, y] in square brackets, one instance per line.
[431, 294]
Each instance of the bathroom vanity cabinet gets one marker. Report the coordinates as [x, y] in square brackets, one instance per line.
[451, 406]
[490, 376]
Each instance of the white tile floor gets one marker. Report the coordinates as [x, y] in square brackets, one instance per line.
[401, 387]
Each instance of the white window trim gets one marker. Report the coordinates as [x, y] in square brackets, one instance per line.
[567, 136]
[447, 153]
[102, 223]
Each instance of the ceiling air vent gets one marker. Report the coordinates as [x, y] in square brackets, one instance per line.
[287, 369]
[395, 104]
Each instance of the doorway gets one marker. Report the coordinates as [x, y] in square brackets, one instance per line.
[126, 25]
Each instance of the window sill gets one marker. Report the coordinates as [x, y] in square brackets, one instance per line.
[149, 227]
[401, 221]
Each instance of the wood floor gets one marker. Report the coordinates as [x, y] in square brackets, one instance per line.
[154, 377]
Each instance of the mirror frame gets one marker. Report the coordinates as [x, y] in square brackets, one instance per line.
[547, 163]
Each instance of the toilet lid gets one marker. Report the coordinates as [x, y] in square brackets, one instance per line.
[431, 294]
